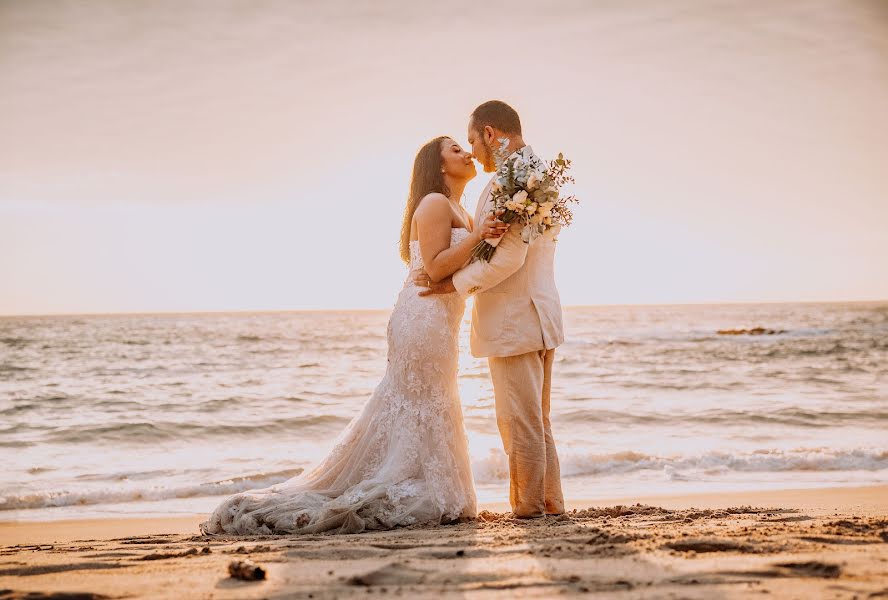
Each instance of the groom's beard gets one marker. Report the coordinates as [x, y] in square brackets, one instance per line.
[488, 162]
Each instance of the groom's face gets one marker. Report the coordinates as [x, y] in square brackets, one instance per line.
[481, 149]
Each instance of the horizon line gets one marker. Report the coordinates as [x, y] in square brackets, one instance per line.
[341, 310]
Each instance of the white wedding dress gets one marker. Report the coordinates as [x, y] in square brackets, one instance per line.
[402, 460]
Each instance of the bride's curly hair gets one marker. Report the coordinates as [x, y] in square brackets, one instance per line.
[427, 178]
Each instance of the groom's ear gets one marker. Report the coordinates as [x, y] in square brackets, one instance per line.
[489, 134]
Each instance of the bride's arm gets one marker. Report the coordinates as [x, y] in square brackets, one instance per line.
[433, 217]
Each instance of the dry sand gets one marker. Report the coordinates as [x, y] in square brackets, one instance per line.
[827, 543]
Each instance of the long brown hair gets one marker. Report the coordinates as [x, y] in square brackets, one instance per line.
[427, 178]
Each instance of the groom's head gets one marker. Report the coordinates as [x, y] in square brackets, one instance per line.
[490, 121]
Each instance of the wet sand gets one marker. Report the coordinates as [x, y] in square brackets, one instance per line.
[826, 543]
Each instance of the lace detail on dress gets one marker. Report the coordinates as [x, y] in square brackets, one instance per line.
[402, 460]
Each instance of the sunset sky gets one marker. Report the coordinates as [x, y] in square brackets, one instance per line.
[179, 156]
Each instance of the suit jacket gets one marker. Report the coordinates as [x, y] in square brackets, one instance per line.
[517, 308]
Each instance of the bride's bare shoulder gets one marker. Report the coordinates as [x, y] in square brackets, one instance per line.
[433, 199]
[433, 205]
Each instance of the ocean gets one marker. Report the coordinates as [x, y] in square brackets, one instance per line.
[163, 414]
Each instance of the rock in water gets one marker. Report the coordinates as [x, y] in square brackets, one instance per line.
[753, 331]
[246, 570]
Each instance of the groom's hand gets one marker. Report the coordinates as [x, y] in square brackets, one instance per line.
[445, 286]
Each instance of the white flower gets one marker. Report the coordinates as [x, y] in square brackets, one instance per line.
[532, 181]
[513, 206]
[520, 196]
[531, 208]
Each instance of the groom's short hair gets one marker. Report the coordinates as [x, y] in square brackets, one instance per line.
[498, 115]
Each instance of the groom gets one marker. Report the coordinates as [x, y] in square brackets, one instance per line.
[516, 324]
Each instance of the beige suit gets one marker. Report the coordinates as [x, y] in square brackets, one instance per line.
[517, 324]
[517, 308]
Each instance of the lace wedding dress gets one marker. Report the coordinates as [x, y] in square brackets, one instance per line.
[402, 460]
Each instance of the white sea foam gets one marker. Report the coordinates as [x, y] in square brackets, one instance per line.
[117, 494]
[495, 466]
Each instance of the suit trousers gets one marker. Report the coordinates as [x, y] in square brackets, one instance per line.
[522, 387]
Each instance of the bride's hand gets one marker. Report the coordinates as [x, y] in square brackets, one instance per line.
[441, 287]
[420, 278]
[492, 227]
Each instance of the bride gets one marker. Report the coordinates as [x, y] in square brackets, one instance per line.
[404, 458]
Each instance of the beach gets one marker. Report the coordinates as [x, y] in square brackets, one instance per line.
[696, 463]
[802, 543]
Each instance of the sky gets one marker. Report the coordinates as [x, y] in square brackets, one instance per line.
[191, 156]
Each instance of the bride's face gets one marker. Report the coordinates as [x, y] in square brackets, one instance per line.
[456, 162]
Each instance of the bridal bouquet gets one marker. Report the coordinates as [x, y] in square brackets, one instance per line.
[526, 190]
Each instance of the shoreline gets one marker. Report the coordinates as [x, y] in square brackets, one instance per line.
[863, 500]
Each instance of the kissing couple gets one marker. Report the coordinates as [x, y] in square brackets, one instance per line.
[404, 459]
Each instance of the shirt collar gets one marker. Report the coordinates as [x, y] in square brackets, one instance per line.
[524, 149]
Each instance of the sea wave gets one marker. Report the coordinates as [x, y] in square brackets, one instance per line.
[495, 466]
[145, 432]
[790, 416]
[15, 342]
[116, 494]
